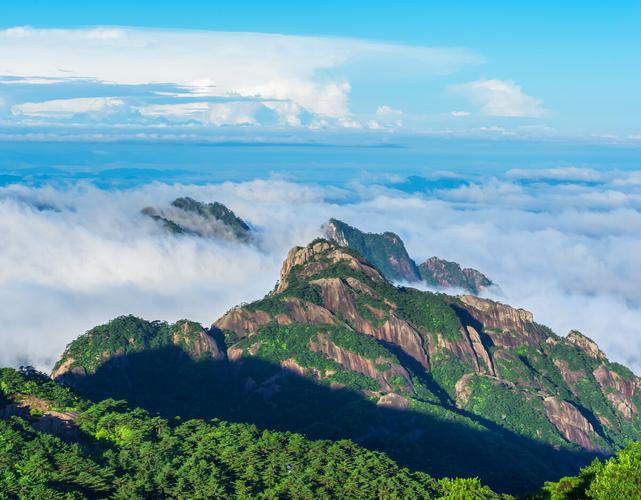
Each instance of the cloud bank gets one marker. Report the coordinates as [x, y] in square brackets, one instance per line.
[75, 256]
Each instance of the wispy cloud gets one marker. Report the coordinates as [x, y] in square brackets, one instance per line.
[293, 76]
[501, 98]
[69, 107]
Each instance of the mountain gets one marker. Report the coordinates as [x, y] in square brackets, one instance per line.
[388, 254]
[58, 445]
[188, 216]
[445, 274]
[337, 351]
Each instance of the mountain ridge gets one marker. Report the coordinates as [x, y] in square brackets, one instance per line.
[333, 321]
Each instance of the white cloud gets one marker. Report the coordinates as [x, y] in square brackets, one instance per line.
[500, 98]
[460, 113]
[374, 125]
[194, 110]
[559, 174]
[264, 66]
[347, 122]
[388, 116]
[385, 110]
[238, 113]
[66, 107]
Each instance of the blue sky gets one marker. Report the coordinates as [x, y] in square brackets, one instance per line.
[365, 69]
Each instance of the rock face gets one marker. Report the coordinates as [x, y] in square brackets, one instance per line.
[386, 251]
[445, 274]
[208, 220]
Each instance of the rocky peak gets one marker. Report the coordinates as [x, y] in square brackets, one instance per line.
[446, 274]
[208, 220]
[588, 346]
[386, 251]
[318, 255]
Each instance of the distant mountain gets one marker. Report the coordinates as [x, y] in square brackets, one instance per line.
[336, 351]
[188, 216]
[445, 274]
[387, 253]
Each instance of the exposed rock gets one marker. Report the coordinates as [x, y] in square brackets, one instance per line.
[570, 423]
[482, 355]
[306, 312]
[292, 366]
[364, 366]
[587, 345]
[505, 325]
[393, 400]
[339, 298]
[198, 344]
[386, 251]
[43, 418]
[242, 321]
[618, 390]
[463, 390]
[316, 257]
[569, 376]
[445, 274]
[209, 220]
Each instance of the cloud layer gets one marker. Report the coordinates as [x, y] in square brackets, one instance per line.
[74, 257]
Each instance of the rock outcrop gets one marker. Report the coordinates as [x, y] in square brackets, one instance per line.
[445, 274]
[386, 251]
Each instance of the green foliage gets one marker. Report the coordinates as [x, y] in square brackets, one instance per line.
[129, 454]
[468, 489]
[281, 342]
[519, 412]
[29, 382]
[618, 478]
[125, 335]
[428, 311]
[361, 344]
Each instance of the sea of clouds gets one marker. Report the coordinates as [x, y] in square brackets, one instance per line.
[563, 243]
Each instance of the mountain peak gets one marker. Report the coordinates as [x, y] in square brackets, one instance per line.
[386, 251]
[446, 274]
[319, 255]
[188, 216]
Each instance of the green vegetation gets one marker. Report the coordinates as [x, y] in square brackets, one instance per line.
[124, 453]
[617, 478]
[125, 335]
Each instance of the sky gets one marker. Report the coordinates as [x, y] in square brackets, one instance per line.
[336, 71]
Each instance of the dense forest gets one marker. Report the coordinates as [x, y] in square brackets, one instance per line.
[110, 450]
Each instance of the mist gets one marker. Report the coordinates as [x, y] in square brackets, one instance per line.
[562, 243]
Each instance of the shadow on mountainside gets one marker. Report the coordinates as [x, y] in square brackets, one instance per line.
[168, 382]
